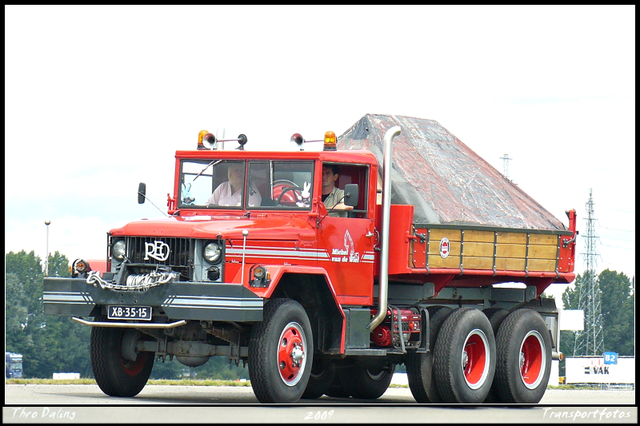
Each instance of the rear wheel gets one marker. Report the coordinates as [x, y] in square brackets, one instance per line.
[420, 366]
[337, 389]
[281, 352]
[321, 378]
[496, 316]
[115, 374]
[464, 357]
[523, 357]
[366, 382]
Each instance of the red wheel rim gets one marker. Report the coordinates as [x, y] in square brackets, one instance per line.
[532, 359]
[475, 359]
[291, 354]
[133, 368]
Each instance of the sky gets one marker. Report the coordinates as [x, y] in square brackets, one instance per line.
[99, 98]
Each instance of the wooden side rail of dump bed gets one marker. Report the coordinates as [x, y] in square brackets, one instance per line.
[478, 256]
[470, 249]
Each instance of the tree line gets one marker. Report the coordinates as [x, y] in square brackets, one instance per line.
[617, 307]
[52, 344]
[55, 344]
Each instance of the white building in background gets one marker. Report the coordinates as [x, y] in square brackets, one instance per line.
[600, 370]
[66, 376]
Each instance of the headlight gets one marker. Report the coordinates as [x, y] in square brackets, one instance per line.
[213, 273]
[212, 252]
[119, 249]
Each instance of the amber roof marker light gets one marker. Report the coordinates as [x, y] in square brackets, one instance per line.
[330, 141]
[207, 140]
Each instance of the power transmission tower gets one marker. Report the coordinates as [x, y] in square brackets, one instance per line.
[505, 165]
[590, 341]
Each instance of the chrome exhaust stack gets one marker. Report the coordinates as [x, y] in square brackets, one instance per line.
[383, 286]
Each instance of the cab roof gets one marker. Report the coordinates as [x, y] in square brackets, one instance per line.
[351, 156]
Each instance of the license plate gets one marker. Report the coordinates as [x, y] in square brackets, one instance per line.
[141, 313]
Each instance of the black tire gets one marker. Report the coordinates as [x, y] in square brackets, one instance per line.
[115, 375]
[464, 357]
[420, 366]
[281, 352]
[496, 316]
[322, 375]
[366, 383]
[523, 357]
[337, 389]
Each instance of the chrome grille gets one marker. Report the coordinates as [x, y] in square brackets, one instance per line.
[180, 250]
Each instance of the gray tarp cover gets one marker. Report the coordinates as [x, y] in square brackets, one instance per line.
[445, 181]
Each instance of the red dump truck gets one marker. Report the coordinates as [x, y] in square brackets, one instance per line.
[433, 259]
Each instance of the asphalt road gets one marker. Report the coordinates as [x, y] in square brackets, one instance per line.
[228, 404]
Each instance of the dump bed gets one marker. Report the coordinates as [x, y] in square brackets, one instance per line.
[462, 215]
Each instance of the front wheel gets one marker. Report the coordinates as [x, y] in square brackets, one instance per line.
[281, 352]
[524, 357]
[114, 374]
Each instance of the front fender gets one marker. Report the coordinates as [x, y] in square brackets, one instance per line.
[276, 273]
[329, 306]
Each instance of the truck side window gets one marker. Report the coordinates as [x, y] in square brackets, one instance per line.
[335, 177]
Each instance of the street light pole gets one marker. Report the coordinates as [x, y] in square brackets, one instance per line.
[46, 267]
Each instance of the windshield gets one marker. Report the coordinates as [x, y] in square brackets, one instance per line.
[221, 184]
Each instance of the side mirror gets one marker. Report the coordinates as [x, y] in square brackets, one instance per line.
[351, 193]
[142, 192]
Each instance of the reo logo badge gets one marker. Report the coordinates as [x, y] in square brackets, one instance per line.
[157, 249]
[445, 247]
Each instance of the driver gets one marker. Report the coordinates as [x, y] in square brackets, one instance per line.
[229, 193]
[332, 197]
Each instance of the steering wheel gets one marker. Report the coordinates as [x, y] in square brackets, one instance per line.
[279, 186]
[292, 198]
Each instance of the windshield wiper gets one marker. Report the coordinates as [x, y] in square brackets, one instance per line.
[214, 162]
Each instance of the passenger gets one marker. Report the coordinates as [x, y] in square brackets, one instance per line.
[332, 197]
[229, 193]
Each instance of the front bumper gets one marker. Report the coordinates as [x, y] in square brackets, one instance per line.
[175, 300]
